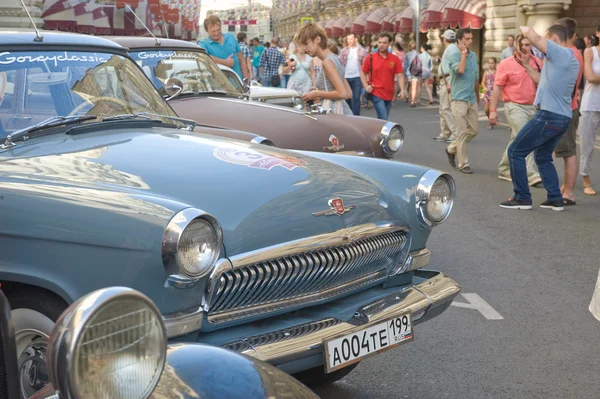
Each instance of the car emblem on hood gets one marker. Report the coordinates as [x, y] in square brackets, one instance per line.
[337, 208]
[335, 144]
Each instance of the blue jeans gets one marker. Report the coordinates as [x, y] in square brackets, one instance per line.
[382, 107]
[265, 80]
[354, 103]
[540, 135]
[284, 81]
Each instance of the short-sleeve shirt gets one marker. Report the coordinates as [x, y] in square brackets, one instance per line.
[382, 76]
[557, 80]
[463, 85]
[245, 50]
[256, 54]
[270, 60]
[445, 68]
[229, 47]
[517, 85]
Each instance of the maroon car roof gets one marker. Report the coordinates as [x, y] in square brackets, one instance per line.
[137, 42]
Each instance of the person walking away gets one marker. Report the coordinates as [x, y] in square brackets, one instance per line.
[352, 57]
[270, 61]
[590, 115]
[447, 124]
[242, 38]
[488, 86]
[516, 83]
[257, 50]
[377, 76]
[464, 80]
[302, 75]
[510, 50]
[330, 82]
[223, 48]
[401, 54]
[542, 133]
[567, 146]
[284, 48]
[412, 72]
[426, 66]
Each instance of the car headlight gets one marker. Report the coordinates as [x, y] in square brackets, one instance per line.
[192, 244]
[109, 344]
[262, 140]
[392, 138]
[435, 197]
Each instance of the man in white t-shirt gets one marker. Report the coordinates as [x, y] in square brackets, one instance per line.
[352, 57]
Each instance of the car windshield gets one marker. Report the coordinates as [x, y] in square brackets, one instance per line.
[36, 85]
[193, 71]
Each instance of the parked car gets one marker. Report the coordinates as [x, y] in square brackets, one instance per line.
[210, 99]
[289, 257]
[112, 343]
[256, 92]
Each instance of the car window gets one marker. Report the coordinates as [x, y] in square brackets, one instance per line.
[35, 85]
[194, 71]
[233, 79]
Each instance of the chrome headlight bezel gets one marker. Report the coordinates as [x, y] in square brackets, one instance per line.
[391, 131]
[172, 238]
[423, 194]
[262, 140]
[70, 328]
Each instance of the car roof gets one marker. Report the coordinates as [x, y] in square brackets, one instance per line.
[25, 38]
[137, 42]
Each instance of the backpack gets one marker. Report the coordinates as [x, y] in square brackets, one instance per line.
[416, 67]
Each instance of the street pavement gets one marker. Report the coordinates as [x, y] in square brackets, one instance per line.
[522, 328]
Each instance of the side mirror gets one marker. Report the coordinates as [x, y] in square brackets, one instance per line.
[173, 88]
[246, 83]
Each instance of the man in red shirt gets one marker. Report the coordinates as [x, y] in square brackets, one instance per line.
[377, 76]
[567, 147]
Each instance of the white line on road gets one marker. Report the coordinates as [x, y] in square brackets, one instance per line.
[476, 302]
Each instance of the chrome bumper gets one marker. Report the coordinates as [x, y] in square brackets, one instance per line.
[425, 301]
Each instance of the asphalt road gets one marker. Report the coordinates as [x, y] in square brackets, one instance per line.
[535, 269]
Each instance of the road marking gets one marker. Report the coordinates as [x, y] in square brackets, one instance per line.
[476, 302]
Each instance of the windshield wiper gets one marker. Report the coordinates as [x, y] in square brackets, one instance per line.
[190, 124]
[53, 121]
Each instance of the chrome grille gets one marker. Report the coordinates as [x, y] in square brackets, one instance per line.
[281, 335]
[304, 277]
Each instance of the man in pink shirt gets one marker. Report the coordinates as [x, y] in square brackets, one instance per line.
[516, 82]
[567, 147]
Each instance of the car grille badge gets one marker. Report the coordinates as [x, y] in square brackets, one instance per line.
[335, 144]
[337, 208]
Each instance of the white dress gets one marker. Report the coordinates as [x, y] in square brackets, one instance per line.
[300, 78]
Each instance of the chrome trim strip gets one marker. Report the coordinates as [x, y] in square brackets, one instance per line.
[290, 344]
[424, 190]
[260, 104]
[181, 323]
[314, 243]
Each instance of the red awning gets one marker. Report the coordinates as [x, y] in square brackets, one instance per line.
[464, 13]
[337, 30]
[329, 26]
[375, 20]
[389, 23]
[358, 25]
[348, 27]
[404, 21]
[432, 16]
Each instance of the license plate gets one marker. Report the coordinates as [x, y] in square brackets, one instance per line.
[348, 349]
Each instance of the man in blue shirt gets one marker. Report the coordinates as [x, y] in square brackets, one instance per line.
[542, 133]
[223, 48]
[462, 65]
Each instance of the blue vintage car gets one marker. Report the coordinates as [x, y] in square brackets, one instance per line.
[308, 261]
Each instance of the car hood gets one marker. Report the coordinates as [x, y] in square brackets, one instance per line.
[285, 123]
[262, 196]
[272, 92]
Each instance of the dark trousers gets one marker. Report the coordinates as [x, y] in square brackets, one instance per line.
[541, 136]
[354, 103]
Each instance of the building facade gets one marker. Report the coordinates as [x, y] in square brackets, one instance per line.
[491, 20]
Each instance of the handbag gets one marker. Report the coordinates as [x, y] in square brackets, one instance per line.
[369, 96]
[332, 106]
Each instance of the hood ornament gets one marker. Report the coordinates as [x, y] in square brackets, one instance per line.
[337, 208]
[335, 144]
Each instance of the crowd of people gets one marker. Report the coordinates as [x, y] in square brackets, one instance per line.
[543, 82]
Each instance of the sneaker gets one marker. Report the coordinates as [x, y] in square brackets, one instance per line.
[554, 205]
[439, 138]
[451, 158]
[450, 140]
[467, 170]
[516, 204]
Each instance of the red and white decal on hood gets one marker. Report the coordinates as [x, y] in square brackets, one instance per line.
[255, 159]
